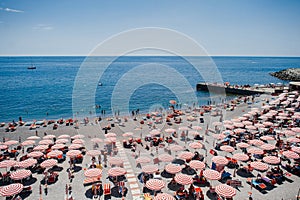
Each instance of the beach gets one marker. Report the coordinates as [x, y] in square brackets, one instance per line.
[286, 190]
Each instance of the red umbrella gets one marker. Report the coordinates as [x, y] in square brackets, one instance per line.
[48, 163]
[54, 153]
[268, 146]
[116, 171]
[183, 179]
[40, 147]
[97, 140]
[266, 137]
[296, 149]
[93, 153]
[271, 160]
[74, 146]
[196, 145]
[172, 168]
[227, 148]
[26, 163]
[7, 163]
[196, 164]
[165, 157]
[143, 160]
[149, 169]
[211, 174]
[20, 174]
[225, 191]
[240, 156]
[73, 153]
[176, 147]
[62, 141]
[35, 154]
[290, 154]
[11, 142]
[256, 151]
[155, 184]
[164, 196]
[186, 155]
[58, 146]
[63, 136]
[256, 142]
[12, 189]
[220, 160]
[242, 145]
[115, 161]
[259, 165]
[28, 142]
[45, 142]
[293, 140]
[94, 172]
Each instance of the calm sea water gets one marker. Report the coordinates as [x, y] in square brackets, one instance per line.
[46, 92]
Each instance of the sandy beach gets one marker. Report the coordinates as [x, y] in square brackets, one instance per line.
[286, 190]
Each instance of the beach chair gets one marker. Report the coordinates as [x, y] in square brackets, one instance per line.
[106, 191]
[260, 186]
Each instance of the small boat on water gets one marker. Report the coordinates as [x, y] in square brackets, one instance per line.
[100, 84]
[31, 67]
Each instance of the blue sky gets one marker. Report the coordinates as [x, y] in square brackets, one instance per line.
[223, 27]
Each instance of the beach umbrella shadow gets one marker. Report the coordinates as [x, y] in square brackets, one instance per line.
[244, 174]
[57, 168]
[25, 195]
[167, 175]
[30, 181]
[77, 168]
[188, 172]
[115, 192]
[89, 194]
[178, 161]
[174, 187]
[212, 196]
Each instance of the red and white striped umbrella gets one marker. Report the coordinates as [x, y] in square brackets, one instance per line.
[293, 140]
[149, 169]
[154, 132]
[73, 153]
[7, 163]
[256, 151]
[96, 140]
[28, 143]
[197, 128]
[35, 154]
[227, 148]
[186, 155]
[196, 164]
[142, 160]
[54, 153]
[229, 126]
[165, 157]
[271, 160]
[251, 127]
[115, 161]
[110, 135]
[259, 165]
[256, 142]
[45, 142]
[40, 148]
[26, 163]
[289, 132]
[155, 184]
[12, 189]
[227, 122]
[247, 123]
[93, 153]
[170, 130]
[58, 146]
[127, 134]
[64, 136]
[184, 128]
[175, 147]
[48, 163]
[78, 141]
[290, 154]
[217, 123]
[266, 137]
[238, 124]
[268, 146]
[164, 196]
[183, 179]
[240, 157]
[33, 137]
[296, 129]
[11, 142]
[239, 130]
[79, 136]
[296, 149]
[220, 160]
[242, 145]
[267, 124]
[219, 136]
[196, 145]
[211, 174]
[94, 172]
[47, 137]
[2, 146]
[74, 146]
[116, 171]
[110, 140]
[62, 141]
[225, 190]
[259, 125]
[20, 174]
[172, 168]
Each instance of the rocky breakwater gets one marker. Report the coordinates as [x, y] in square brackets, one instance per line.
[291, 74]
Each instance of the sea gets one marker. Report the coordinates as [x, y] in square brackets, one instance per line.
[121, 85]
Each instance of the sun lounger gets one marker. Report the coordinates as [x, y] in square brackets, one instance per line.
[234, 183]
[258, 185]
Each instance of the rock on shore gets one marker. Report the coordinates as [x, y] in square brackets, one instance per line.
[291, 74]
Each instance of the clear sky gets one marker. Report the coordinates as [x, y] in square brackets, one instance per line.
[222, 27]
